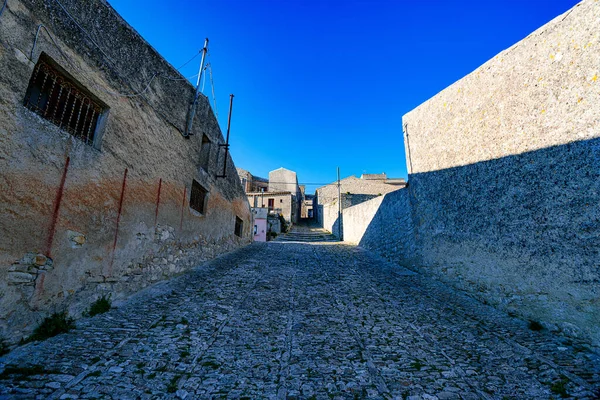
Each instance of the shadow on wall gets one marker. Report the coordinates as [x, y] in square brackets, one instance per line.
[522, 232]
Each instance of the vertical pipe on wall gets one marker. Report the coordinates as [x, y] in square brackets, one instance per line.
[182, 208]
[114, 247]
[339, 204]
[56, 209]
[157, 202]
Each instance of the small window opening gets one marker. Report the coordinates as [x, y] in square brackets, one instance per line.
[198, 197]
[205, 152]
[271, 203]
[58, 98]
[239, 224]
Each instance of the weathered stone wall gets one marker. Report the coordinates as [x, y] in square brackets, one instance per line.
[78, 222]
[384, 225]
[353, 191]
[504, 180]
[283, 202]
[283, 180]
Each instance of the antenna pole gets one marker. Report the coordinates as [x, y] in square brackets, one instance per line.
[192, 110]
[339, 205]
[226, 145]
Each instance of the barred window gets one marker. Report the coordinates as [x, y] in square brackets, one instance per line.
[198, 197]
[58, 98]
[239, 225]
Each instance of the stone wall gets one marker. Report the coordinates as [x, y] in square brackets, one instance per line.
[384, 225]
[283, 203]
[504, 180]
[80, 221]
[353, 191]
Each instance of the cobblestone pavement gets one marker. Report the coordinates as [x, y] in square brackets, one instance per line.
[301, 320]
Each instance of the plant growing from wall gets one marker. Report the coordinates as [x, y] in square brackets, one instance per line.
[283, 222]
[100, 306]
[51, 326]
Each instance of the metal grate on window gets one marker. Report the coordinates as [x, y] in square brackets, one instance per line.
[198, 197]
[57, 98]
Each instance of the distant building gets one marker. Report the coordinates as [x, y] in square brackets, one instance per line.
[353, 191]
[280, 194]
[283, 179]
[252, 183]
[260, 224]
[275, 202]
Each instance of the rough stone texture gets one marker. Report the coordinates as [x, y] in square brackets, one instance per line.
[252, 183]
[284, 203]
[289, 320]
[505, 180]
[284, 180]
[142, 149]
[383, 225]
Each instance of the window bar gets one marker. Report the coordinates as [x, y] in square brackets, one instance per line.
[76, 95]
[62, 117]
[46, 73]
[94, 111]
[82, 100]
[87, 111]
[62, 86]
[54, 79]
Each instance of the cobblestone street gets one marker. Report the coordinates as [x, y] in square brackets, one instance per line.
[301, 320]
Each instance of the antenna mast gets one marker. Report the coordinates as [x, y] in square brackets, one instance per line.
[192, 109]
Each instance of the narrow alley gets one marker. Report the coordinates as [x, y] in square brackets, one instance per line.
[288, 319]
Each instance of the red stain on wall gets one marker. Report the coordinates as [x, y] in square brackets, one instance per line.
[112, 258]
[182, 208]
[157, 202]
[57, 201]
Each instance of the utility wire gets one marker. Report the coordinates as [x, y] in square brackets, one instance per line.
[212, 84]
[84, 31]
[190, 60]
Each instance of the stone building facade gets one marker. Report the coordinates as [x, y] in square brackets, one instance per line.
[353, 191]
[285, 180]
[275, 202]
[100, 192]
[252, 183]
[504, 181]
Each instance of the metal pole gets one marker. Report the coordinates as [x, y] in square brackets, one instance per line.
[226, 145]
[339, 205]
[192, 111]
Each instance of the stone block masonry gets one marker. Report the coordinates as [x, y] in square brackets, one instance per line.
[135, 202]
[504, 180]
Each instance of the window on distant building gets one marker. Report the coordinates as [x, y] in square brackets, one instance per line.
[198, 197]
[271, 204]
[205, 153]
[57, 97]
[239, 224]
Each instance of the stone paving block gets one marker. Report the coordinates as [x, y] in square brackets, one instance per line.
[302, 320]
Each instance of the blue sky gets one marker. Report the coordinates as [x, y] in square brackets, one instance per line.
[322, 84]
